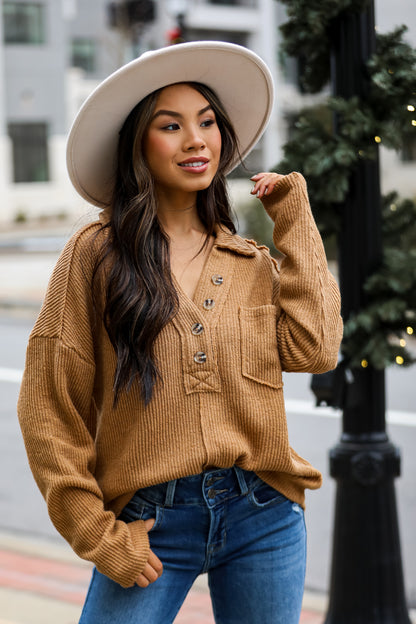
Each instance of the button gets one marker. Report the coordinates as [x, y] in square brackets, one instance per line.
[212, 493]
[197, 329]
[209, 304]
[217, 280]
[200, 357]
[210, 481]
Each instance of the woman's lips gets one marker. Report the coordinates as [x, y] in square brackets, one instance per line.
[194, 165]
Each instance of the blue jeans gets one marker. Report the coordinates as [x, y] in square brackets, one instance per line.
[250, 539]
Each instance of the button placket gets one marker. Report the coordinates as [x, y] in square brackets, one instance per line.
[195, 323]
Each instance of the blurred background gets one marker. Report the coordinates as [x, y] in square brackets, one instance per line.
[53, 53]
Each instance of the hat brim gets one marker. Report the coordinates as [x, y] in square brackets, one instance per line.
[238, 76]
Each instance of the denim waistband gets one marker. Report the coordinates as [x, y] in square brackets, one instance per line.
[206, 485]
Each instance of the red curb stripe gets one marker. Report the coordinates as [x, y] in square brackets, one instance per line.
[62, 581]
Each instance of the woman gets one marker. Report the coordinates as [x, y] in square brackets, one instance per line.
[152, 403]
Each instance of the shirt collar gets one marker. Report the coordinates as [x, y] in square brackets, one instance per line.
[226, 240]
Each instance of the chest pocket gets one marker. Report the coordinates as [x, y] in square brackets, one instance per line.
[259, 354]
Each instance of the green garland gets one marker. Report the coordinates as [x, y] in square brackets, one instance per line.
[378, 334]
[307, 35]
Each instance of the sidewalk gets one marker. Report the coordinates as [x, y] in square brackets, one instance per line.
[43, 582]
[27, 258]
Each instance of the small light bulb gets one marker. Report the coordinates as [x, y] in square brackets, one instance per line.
[409, 330]
[413, 122]
[402, 342]
[377, 139]
[399, 360]
[364, 363]
[410, 108]
[393, 207]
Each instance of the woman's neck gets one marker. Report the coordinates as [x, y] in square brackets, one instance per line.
[179, 216]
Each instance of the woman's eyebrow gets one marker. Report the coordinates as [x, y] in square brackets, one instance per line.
[170, 113]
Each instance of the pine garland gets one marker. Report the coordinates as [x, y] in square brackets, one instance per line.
[378, 334]
[307, 36]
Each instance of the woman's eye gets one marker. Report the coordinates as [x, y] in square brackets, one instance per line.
[171, 126]
[207, 123]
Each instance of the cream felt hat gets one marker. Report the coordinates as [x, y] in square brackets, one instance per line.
[238, 76]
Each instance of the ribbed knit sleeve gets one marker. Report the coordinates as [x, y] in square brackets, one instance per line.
[309, 329]
[58, 420]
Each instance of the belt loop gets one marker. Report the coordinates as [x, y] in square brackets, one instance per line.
[241, 480]
[170, 493]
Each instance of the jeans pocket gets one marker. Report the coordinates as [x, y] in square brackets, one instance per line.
[139, 509]
[263, 495]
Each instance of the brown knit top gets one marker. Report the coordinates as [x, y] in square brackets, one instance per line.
[221, 408]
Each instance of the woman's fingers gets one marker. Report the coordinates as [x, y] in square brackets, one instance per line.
[153, 568]
[264, 183]
[149, 524]
[151, 572]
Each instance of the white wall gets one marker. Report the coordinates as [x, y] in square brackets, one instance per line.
[395, 174]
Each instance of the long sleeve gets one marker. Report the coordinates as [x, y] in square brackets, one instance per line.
[309, 328]
[58, 419]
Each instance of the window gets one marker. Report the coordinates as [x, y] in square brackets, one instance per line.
[24, 23]
[30, 152]
[83, 54]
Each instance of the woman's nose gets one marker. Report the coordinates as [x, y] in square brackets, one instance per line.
[194, 140]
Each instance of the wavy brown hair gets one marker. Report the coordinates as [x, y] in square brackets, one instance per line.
[140, 296]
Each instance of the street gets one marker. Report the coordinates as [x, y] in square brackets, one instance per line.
[313, 432]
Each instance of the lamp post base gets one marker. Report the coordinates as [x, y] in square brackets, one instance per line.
[367, 580]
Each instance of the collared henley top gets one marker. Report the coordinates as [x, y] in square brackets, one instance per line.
[220, 400]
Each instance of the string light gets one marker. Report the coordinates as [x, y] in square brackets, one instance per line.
[377, 139]
[402, 342]
[411, 108]
[399, 360]
[393, 207]
[409, 330]
[413, 122]
[364, 363]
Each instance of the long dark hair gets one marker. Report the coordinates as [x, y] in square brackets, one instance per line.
[140, 295]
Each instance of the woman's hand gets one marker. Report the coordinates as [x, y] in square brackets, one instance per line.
[153, 568]
[265, 183]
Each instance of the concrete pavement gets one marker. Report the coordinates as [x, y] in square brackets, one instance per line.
[44, 582]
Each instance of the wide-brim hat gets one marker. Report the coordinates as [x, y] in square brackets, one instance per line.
[238, 76]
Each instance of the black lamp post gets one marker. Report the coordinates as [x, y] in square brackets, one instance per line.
[366, 580]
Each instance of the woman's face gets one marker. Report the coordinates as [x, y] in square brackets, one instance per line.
[182, 144]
